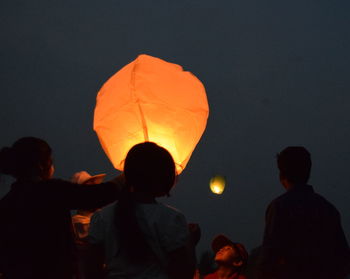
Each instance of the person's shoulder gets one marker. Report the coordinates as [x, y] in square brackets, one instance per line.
[163, 213]
[279, 205]
[309, 196]
[169, 217]
[322, 201]
[290, 196]
[167, 209]
[278, 200]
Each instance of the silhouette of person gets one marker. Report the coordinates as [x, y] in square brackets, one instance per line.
[303, 235]
[36, 239]
[230, 258]
[142, 237]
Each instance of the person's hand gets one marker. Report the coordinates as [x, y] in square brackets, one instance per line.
[80, 177]
[83, 177]
[195, 233]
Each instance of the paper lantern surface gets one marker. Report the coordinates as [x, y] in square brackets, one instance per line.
[217, 184]
[151, 100]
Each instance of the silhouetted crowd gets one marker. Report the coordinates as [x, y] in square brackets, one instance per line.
[120, 230]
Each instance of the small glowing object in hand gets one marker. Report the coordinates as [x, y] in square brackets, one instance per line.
[217, 184]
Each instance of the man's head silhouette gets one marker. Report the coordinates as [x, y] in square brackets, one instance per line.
[294, 164]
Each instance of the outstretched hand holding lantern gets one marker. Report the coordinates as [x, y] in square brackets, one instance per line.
[151, 100]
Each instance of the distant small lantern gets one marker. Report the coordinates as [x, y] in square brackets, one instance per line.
[151, 100]
[217, 184]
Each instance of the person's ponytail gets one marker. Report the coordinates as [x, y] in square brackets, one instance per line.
[132, 239]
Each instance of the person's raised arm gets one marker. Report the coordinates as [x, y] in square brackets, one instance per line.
[78, 196]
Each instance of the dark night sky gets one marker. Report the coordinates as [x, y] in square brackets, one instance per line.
[276, 74]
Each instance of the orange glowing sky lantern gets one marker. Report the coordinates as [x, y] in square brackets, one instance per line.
[151, 100]
[217, 184]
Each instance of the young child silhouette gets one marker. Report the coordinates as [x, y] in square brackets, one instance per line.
[142, 237]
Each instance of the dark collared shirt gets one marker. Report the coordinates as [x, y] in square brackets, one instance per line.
[303, 237]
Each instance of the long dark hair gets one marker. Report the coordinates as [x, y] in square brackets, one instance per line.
[28, 157]
[148, 169]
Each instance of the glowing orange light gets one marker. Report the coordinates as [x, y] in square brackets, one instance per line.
[151, 100]
[217, 184]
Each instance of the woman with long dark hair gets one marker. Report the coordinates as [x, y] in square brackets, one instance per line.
[142, 237]
[36, 232]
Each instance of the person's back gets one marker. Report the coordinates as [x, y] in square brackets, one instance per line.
[309, 238]
[165, 229]
[144, 238]
[303, 234]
